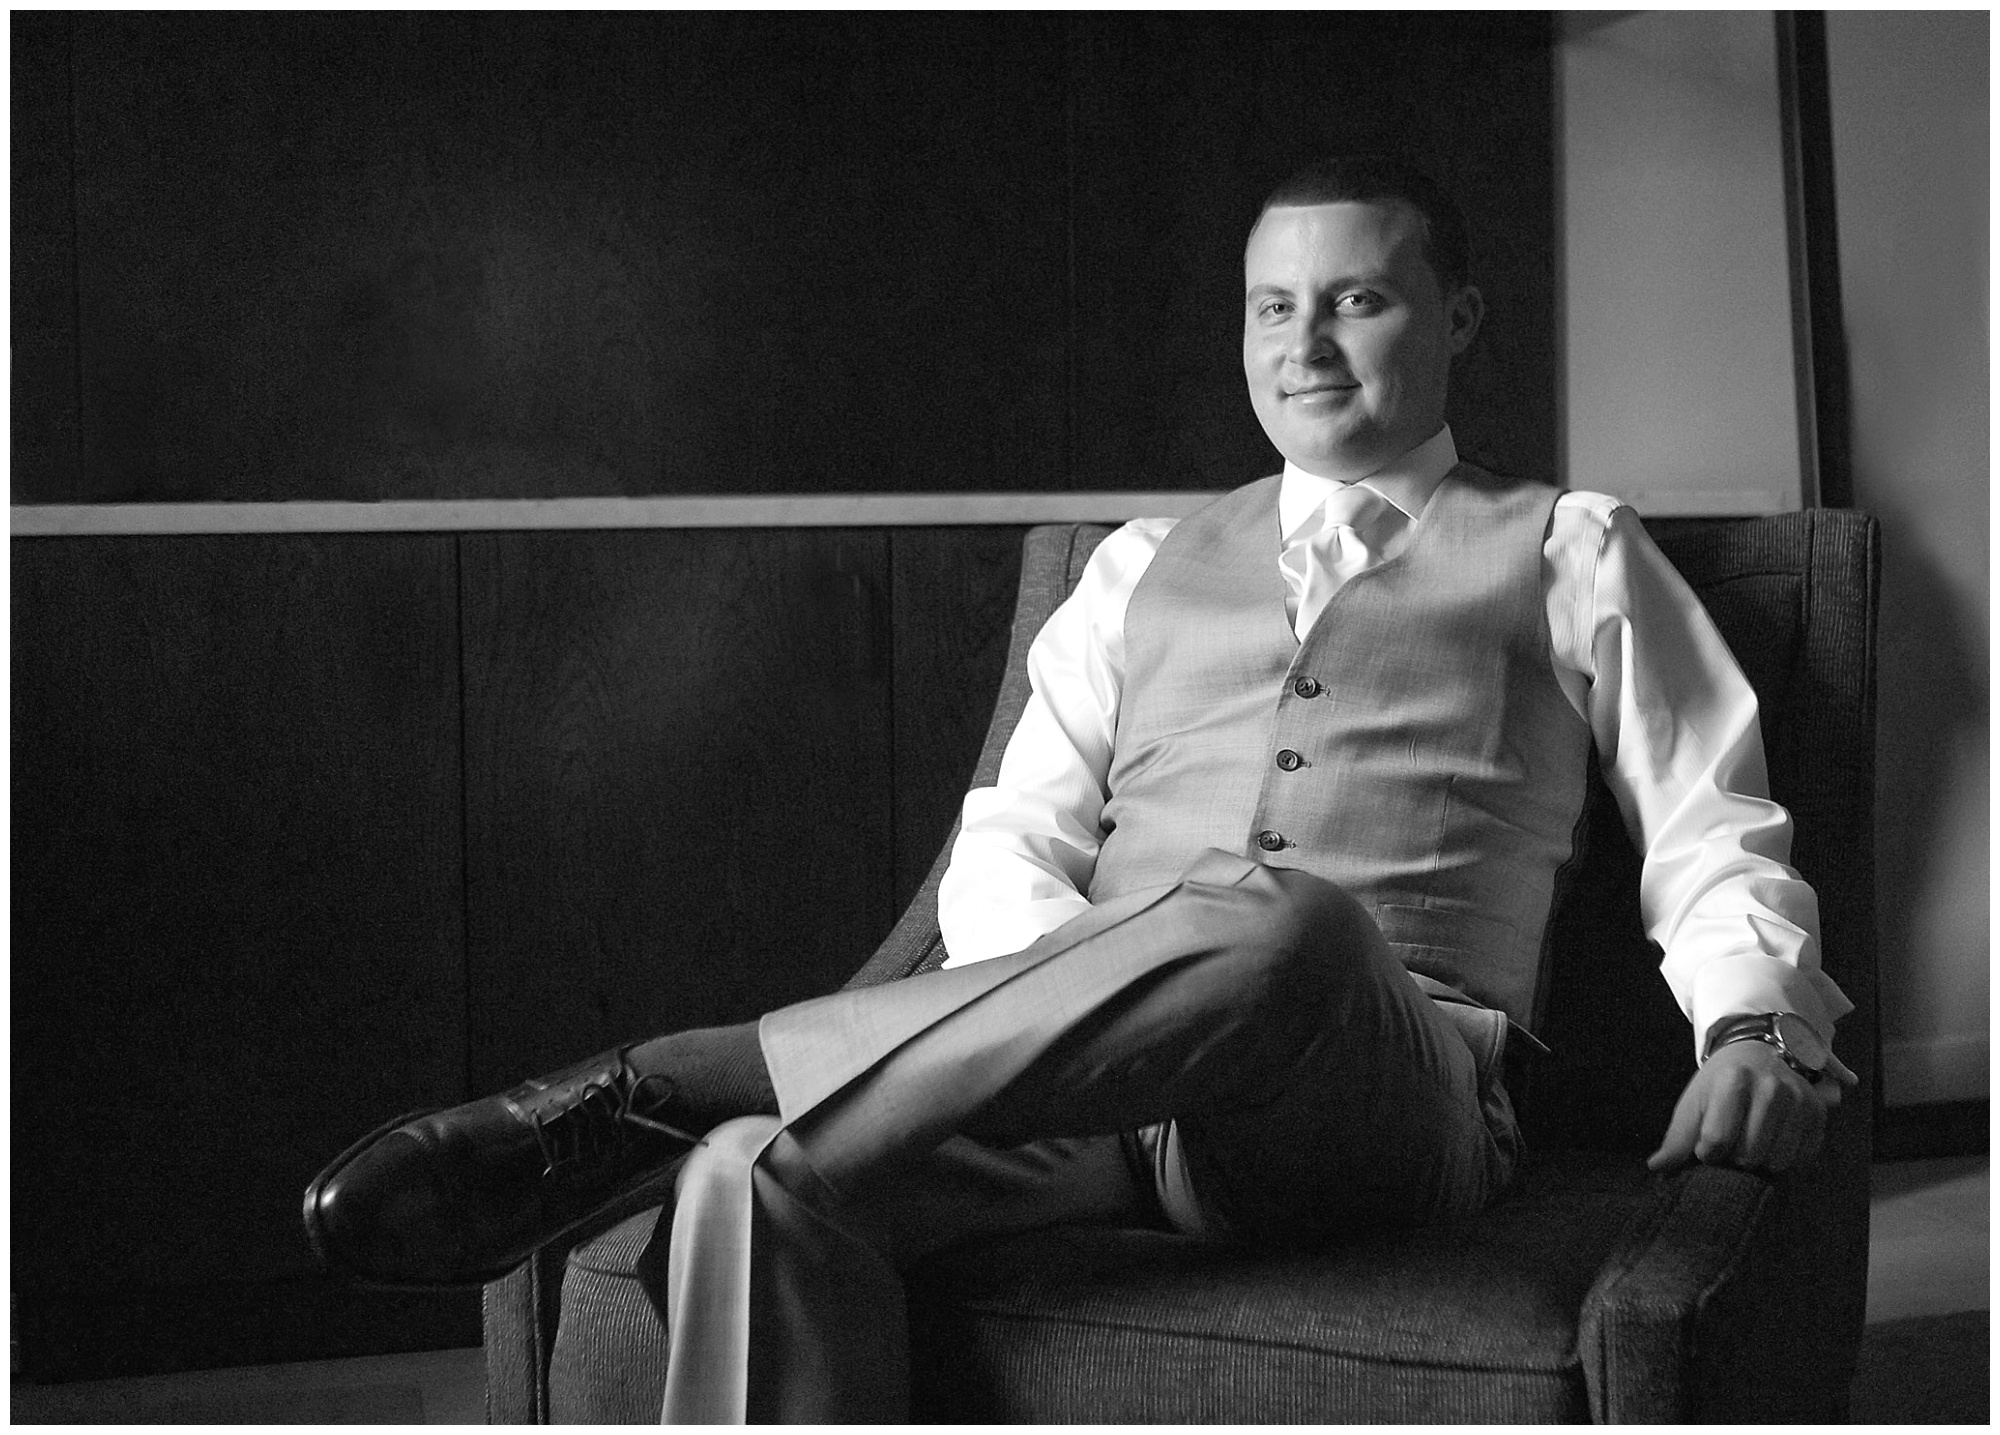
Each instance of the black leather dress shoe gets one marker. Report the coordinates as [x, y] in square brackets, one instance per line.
[462, 1196]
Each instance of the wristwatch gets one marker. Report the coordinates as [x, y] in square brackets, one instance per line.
[1801, 1047]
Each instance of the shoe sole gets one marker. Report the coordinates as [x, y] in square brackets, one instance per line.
[322, 1247]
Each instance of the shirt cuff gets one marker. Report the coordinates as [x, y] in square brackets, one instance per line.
[1752, 984]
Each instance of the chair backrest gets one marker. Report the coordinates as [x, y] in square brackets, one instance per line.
[1052, 560]
[1794, 595]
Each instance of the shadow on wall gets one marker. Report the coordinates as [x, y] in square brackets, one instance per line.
[1931, 721]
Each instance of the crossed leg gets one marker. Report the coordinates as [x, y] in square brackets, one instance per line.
[784, 1302]
[1312, 1087]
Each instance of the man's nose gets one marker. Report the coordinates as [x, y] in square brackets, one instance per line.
[1312, 342]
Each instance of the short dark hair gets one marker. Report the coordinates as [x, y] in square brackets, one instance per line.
[1367, 178]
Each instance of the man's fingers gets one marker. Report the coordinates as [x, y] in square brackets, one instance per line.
[1764, 1117]
[1784, 1123]
[1743, 1109]
[1677, 1146]
[1725, 1117]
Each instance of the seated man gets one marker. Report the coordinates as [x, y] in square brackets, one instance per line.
[1237, 941]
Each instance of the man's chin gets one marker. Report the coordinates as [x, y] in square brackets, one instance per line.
[1341, 461]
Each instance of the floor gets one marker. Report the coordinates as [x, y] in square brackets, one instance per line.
[444, 1387]
[1927, 1238]
[1927, 1257]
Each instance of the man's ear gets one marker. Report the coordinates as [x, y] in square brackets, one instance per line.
[1462, 312]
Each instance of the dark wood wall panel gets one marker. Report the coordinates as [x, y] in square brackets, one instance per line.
[409, 255]
[678, 795]
[388, 255]
[42, 251]
[236, 889]
[952, 610]
[377, 255]
[1187, 121]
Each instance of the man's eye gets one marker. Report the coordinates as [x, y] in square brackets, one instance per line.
[1359, 302]
[1274, 308]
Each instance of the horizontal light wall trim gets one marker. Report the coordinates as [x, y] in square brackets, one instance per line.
[780, 510]
[1710, 502]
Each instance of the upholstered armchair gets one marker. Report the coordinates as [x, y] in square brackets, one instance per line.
[1597, 1291]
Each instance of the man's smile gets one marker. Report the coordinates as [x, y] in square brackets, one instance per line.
[1322, 393]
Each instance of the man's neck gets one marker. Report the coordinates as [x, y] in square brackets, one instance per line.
[1407, 481]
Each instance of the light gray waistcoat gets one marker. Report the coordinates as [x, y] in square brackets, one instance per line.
[1415, 749]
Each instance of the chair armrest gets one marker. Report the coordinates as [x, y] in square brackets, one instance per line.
[520, 1310]
[1637, 1321]
[913, 944]
[1052, 558]
[1734, 1298]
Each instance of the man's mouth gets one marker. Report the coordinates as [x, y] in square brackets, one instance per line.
[1321, 392]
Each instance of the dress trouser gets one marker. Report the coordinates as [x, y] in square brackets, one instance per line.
[1312, 1087]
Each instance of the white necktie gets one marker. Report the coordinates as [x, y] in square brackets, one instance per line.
[1348, 542]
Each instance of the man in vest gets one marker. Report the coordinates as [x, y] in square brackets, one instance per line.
[1238, 938]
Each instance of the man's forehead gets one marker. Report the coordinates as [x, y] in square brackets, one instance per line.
[1374, 229]
[1341, 240]
[1385, 209]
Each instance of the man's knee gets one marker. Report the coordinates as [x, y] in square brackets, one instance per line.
[1297, 933]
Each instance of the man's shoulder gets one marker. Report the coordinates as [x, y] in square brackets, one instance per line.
[1127, 550]
[1140, 533]
[1242, 502]
[1600, 508]
[1233, 502]
[1599, 523]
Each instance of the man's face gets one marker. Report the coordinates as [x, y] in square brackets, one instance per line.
[1347, 336]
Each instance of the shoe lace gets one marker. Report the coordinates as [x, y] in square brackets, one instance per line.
[602, 1126]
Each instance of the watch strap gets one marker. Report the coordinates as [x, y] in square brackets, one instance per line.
[1758, 1027]
[1763, 1026]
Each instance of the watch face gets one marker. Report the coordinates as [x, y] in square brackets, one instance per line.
[1802, 1041]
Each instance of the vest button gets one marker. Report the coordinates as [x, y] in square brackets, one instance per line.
[1270, 841]
[1307, 688]
[1289, 760]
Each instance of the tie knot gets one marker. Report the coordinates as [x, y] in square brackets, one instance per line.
[1354, 507]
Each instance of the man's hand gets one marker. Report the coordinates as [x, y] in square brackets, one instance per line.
[1746, 1108]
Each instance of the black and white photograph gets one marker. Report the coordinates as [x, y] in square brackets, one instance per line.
[939, 717]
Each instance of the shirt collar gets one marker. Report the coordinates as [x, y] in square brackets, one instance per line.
[1407, 482]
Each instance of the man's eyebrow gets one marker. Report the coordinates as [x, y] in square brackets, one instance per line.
[1374, 280]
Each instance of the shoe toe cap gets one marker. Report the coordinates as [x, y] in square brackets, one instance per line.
[376, 1214]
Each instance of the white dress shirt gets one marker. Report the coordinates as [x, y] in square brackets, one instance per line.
[1675, 724]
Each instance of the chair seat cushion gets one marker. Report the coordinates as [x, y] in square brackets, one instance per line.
[1473, 1320]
